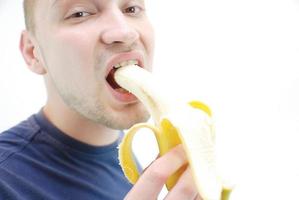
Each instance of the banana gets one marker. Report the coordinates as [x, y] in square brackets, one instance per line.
[175, 122]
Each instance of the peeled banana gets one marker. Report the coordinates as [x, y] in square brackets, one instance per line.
[175, 122]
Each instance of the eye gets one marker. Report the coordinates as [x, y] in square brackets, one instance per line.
[133, 10]
[79, 14]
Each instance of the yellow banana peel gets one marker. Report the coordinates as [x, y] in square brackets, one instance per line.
[175, 122]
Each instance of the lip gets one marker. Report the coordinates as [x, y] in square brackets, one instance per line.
[127, 98]
[115, 59]
[132, 55]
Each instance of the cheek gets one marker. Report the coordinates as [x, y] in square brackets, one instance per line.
[75, 44]
[72, 49]
[70, 59]
[149, 40]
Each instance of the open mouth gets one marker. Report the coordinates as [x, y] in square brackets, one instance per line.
[110, 77]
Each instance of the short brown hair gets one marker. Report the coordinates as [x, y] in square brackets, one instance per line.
[29, 6]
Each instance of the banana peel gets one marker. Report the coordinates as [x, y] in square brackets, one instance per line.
[175, 122]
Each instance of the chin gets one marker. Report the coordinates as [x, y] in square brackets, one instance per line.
[127, 122]
[131, 115]
[118, 119]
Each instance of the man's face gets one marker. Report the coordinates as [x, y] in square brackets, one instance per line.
[79, 41]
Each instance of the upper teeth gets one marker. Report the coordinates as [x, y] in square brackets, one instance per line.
[125, 63]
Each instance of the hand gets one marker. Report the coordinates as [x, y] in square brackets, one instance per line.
[151, 182]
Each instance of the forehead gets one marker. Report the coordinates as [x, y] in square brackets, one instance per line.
[55, 2]
[44, 6]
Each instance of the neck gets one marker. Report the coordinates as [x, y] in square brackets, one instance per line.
[78, 127]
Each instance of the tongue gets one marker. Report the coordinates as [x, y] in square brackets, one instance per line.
[110, 79]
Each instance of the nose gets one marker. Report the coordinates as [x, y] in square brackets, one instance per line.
[118, 30]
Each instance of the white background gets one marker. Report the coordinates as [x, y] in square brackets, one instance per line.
[240, 57]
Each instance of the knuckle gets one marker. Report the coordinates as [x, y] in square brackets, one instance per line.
[179, 153]
[188, 191]
[157, 175]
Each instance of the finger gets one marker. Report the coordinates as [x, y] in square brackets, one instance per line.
[152, 180]
[158, 156]
[184, 189]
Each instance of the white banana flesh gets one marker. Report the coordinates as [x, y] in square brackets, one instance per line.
[194, 126]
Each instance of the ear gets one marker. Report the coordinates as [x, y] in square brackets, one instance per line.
[28, 49]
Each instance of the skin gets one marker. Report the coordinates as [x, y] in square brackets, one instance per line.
[70, 47]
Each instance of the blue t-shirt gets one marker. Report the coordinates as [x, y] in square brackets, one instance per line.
[38, 161]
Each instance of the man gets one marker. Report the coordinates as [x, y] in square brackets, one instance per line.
[69, 149]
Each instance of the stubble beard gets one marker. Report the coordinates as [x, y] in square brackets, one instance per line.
[102, 114]
[95, 110]
[118, 120]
